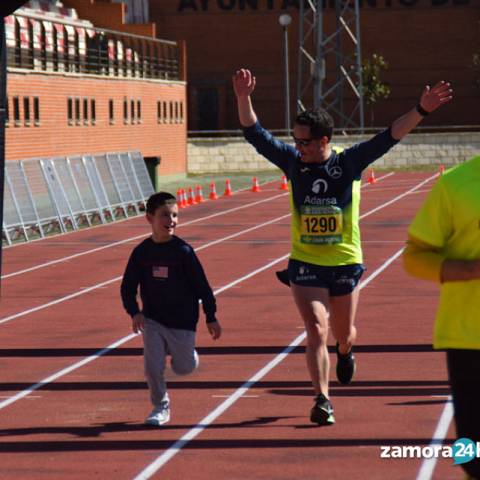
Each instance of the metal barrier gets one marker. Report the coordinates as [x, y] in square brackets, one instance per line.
[62, 194]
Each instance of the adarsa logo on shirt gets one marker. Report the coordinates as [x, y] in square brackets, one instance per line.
[312, 200]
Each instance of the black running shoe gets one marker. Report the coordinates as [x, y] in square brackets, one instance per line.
[345, 366]
[322, 411]
[282, 276]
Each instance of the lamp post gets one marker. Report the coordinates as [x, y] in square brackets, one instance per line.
[285, 20]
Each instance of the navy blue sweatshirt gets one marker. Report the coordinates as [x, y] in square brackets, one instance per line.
[171, 280]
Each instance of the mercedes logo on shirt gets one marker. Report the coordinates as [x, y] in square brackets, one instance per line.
[335, 172]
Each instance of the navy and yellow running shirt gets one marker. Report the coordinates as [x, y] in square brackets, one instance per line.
[325, 197]
[449, 221]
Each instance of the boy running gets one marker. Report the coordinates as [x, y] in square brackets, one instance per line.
[172, 282]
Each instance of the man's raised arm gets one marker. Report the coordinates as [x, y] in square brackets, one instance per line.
[431, 99]
[243, 86]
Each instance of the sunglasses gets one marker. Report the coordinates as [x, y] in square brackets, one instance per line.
[303, 142]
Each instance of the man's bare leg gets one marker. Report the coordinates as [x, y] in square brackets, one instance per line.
[313, 305]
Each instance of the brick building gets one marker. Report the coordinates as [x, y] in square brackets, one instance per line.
[81, 81]
[422, 41]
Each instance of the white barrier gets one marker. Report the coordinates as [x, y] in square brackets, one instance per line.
[61, 193]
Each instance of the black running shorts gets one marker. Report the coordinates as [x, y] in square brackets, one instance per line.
[340, 280]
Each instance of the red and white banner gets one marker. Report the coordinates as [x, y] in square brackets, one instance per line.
[10, 31]
[60, 36]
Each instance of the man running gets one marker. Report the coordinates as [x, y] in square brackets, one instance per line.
[325, 264]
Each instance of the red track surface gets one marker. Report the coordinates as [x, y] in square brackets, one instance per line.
[87, 424]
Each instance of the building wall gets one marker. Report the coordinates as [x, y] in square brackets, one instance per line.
[423, 41]
[54, 136]
[236, 155]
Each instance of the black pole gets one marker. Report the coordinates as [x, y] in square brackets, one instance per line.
[6, 9]
[3, 98]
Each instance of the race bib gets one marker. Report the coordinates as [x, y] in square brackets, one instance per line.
[321, 224]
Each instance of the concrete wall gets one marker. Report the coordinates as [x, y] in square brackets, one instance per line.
[210, 155]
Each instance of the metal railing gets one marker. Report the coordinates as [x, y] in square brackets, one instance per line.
[36, 43]
[192, 134]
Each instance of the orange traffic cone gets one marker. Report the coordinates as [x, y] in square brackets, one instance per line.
[371, 177]
[284, 184]
[441, 169]
[183, 201]
[199, 194]
[213, 191]
[180, 198]
[191, 198]
[255, 186]
[228, 189]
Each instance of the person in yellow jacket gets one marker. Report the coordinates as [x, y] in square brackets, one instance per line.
[444, 246]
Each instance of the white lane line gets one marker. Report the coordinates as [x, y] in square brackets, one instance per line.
[63, 372]
[130, 239]
[244, 396]
[398, 197]
[428, 464]
[123, 340]
[166, 456]
[85, 290]
[379, 178]
[31, 397]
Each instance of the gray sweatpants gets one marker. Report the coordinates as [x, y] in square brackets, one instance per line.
[158, 342]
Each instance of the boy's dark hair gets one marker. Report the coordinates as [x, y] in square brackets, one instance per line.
[159, 199]
[319, 121]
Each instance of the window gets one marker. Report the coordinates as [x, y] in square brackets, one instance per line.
[70, 111]
[181, 112]
[77, 111]
[125, 110]
[26, 111]
[159, 112]
[7, 112]
[165, 113]
[207, 108]
[93, 111]
[176, 112]
[171, 112]
[36, 111]
[16, 111]
[111, 112]
[85, 111]
[139, 111]
[132, 111]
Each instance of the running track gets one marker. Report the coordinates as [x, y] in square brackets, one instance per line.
[72, 408]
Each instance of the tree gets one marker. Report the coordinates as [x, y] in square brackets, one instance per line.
[373, 87]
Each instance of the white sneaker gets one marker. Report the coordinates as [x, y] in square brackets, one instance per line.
[158, 416]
